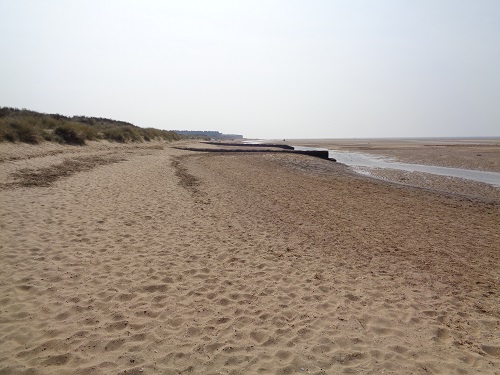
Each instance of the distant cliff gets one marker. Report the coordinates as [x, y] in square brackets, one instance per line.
[208, 134]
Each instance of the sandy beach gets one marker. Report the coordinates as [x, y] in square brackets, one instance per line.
[147, 259]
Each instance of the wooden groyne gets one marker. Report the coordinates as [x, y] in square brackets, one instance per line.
[322, 154]
[266, 145]
[317, 154]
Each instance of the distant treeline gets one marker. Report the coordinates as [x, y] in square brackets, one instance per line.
[22, 125]
[208, 134]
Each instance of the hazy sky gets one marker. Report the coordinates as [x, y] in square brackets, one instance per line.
[261, 68]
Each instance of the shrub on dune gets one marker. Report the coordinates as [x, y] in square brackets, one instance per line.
[70, 135]
[14, 130]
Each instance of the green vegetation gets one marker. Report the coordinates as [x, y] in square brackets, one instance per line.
[21, 125]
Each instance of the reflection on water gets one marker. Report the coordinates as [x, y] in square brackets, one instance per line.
[357, 159]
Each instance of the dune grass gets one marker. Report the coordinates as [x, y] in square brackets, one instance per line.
[22, 125]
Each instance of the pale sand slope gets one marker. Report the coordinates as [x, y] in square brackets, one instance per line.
[171, 262]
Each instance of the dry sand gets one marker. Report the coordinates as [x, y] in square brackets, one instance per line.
[153, 260]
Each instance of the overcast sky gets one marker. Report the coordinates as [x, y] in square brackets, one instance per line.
[261, 68]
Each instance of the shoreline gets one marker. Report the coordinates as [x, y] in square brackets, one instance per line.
[160, 260]
[484, 156]
[433, 152]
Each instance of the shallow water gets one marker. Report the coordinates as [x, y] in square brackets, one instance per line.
[357, 160]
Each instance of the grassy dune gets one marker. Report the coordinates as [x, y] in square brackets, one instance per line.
[22, 125]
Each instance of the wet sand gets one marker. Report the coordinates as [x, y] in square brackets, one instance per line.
[481, 154]
[154, 260]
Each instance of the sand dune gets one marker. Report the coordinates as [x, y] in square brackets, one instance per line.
[153, 260]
